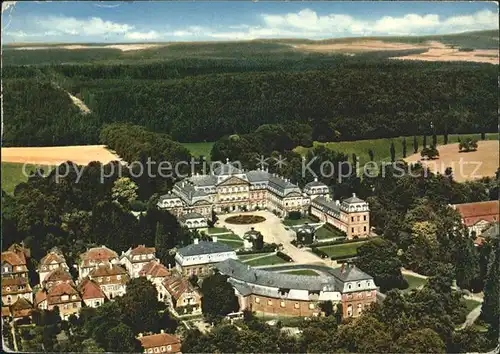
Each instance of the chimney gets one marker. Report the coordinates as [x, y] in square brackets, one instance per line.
[162, 331]
[214, 238]
[140, 335]
[110, 265]
[196, 241]
[252, 228]
[315, 179]
[337, 202]
[354, 195]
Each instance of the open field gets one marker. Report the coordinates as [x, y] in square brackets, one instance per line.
[342, 250]
[12, 174]
[471, 304]
[381, 147]
[451, 54]
[465, 165]
[413, 282]
[54, 155]
[199, 149]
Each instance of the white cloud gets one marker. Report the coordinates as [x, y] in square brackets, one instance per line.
[142, 35]
[303, 24]
[93, 26]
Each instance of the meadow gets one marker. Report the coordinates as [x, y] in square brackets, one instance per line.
[13, 174]
[381, 147]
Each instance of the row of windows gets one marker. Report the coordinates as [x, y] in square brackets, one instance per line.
[100, 279]
[167, 348]
[358, 229]
[358, 218]
[283, 304]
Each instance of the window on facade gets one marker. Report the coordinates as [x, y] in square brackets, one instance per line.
[75, 305]
[360, 309]
[349, 311]
[257, 300]
[296, 305]
[269, 302]
[169, 347]
[282, 304]
[352, 218]
[364, 218]
[352, 229]
[364, 228]
[311, 306]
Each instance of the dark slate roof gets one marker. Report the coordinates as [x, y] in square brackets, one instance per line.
[204, 247]
[326, 205]
[168, 196]
[242, 272]
[186, 191]
[349, 273]
[188, 216]
[226, 169]
[283, 186]
[306, 228]
[204, 180]
[256, 176]
[251, 234]
[315, 184]
[353, 199]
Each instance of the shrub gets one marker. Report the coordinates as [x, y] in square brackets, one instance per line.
[284, 256]
[294, 215]
[319, 252]
[138, 205]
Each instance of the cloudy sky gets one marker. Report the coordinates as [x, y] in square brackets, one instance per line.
[54, 21]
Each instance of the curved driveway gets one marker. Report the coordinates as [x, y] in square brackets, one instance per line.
[274, 232]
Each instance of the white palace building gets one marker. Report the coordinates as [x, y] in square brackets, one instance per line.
[230, 189]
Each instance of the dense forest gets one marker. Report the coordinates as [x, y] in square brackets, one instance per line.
[203, 99]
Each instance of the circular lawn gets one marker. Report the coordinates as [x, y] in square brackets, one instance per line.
[245, 219]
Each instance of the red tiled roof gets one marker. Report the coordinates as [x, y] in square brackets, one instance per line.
[91, 290]
[58, 274]
[13, 258]
[97, 254]
[40, 296]
[471, 213]
[112, 271]
[21, 251]
[6, 311]
[14, 285]
[55, 293]
[159, 340]
[21, 308]
[52, 257]
[142, 249]
[177, 285]
[154, 269]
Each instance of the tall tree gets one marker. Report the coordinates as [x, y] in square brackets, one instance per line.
[420, 341]
[434, 139]
[445, 138]
[467, 262]
[379, 257]
[218, 297]
[371, 154]
[404, 147]
[415, 144]
[490, 310]
[425, 141]
[393, 152]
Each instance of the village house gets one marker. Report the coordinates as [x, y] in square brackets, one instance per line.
[92, 294]
[111, 278]
[52, 261]
[352, 215]
[135, 258]
[160, 343]
[21, 309]
[62, 295]
[156, 272]
[93, 258]
[479, 215]
[181, 295]
[57, 276]
[15, 281]
[272, 293]
[199, 257]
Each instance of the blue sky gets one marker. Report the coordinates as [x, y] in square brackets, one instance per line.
[235, 20]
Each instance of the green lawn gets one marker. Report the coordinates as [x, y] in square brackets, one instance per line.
[413, 282]
[216, 230]
[381, 147]
[271, 259]
[302, 272]
[12, 174]
[198, 149]
[342, 250]
[470, 304]
[229, 236]
[233, 243]
[244, 257]
[290, 222]
[324, 233]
